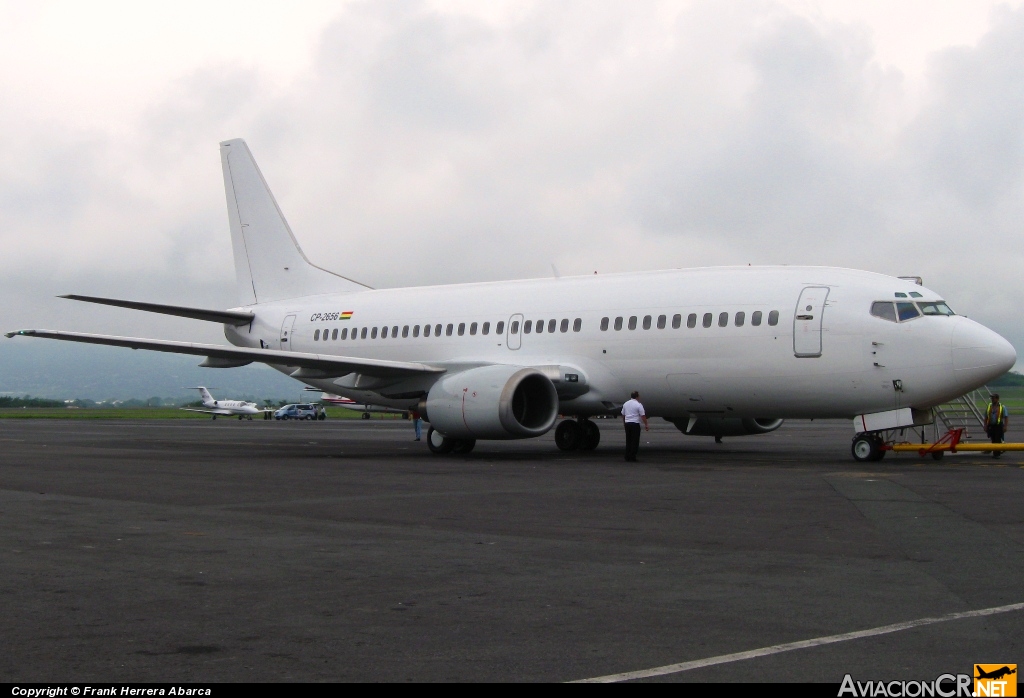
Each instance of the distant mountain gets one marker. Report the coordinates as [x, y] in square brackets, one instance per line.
[65, 371]
[1007, 380]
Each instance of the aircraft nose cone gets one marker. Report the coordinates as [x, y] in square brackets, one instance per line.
[979, 354]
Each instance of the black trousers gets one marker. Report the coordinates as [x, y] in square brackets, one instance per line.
[995, 432]
[632, 440]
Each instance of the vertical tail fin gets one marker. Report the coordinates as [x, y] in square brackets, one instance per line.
[269, 264]
[203, 393]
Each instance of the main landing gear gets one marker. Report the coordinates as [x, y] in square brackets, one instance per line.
[440, 444]
[867, 447]
[572, 435]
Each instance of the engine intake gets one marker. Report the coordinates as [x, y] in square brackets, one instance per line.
[728, 426]
[493, 402]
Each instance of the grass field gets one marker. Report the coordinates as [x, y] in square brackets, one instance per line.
[146, 413]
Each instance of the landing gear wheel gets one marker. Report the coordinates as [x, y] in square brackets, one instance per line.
[590, 435]
[365, 415]
[568, 435]
[439, 443]
[867, 448]
[464, 445]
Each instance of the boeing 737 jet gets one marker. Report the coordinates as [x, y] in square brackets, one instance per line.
[716, 351]
[224, 408]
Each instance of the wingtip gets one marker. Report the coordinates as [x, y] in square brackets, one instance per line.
[21, 332]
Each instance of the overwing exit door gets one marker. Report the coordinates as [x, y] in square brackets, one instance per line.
[807, 321]
[286, 332]
[513, 340]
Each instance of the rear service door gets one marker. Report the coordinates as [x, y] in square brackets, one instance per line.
[286, 332]
[807, 321]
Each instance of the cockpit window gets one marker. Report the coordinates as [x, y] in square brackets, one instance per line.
[936, 308]
[884, 310]
[907, 311]
[900, 295]
[915, 294]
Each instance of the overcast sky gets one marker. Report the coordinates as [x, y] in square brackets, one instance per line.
[434, 142]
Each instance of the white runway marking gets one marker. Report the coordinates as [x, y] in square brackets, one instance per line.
[802, 644]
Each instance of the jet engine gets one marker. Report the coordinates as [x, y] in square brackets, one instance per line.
[493, 402]
[728, 426]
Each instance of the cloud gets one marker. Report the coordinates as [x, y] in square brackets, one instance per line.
[430, 144]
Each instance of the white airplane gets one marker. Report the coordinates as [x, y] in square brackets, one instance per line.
[349, 403]
[224, 408]
[715, 351]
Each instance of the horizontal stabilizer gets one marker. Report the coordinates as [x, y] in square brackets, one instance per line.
[329, 365]
[228, 317]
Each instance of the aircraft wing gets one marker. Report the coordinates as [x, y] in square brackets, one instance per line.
[217, 355]
[223, 413]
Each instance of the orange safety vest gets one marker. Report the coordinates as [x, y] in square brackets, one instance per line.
[1000, 414]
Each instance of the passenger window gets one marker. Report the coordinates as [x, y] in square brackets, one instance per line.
[564, 325]
[691, 320]
[540, 326]
[884, 310]
[604, 324]
[405, 332]
[437, 330]
[708, 317]
[723, 319]
[415, 330]
[755, 319]
[677, 321]
[384, 333]
[394, 331]
[426, 330]
[344, 333]
[514, 329]
[486, 329]
[472, 329]
[362, 335]
[647, 322]
[740, 317]
[773, 318]
[354, 332]
[527, 326]
[577, 324]
[448, 330]
[373, 333]
[661, 322]
[618, 324]
[462, 328]
[632, 322]
[316, 336]
[907, 311]
[500, 327]
[551, 325]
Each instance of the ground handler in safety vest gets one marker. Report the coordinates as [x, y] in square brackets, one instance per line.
[996, 422]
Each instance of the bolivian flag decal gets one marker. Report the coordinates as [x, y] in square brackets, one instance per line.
[347, 315]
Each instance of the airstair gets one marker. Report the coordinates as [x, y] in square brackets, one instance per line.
[964, 413]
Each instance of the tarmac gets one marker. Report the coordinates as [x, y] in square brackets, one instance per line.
[212, 551]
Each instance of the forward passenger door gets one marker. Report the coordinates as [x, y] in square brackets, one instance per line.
[807, 321]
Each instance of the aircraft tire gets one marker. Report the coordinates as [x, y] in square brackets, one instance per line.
[439, 443]
[591, 435]
[568, 435]
[365, 415]
[866, 447]
[464, 445]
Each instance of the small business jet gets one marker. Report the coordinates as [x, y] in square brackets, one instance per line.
[224, 408]
[724, 351]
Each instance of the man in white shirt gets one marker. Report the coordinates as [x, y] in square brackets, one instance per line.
[632, 414]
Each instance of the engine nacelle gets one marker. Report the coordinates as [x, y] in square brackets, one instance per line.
[493, 402]
[728, 426]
